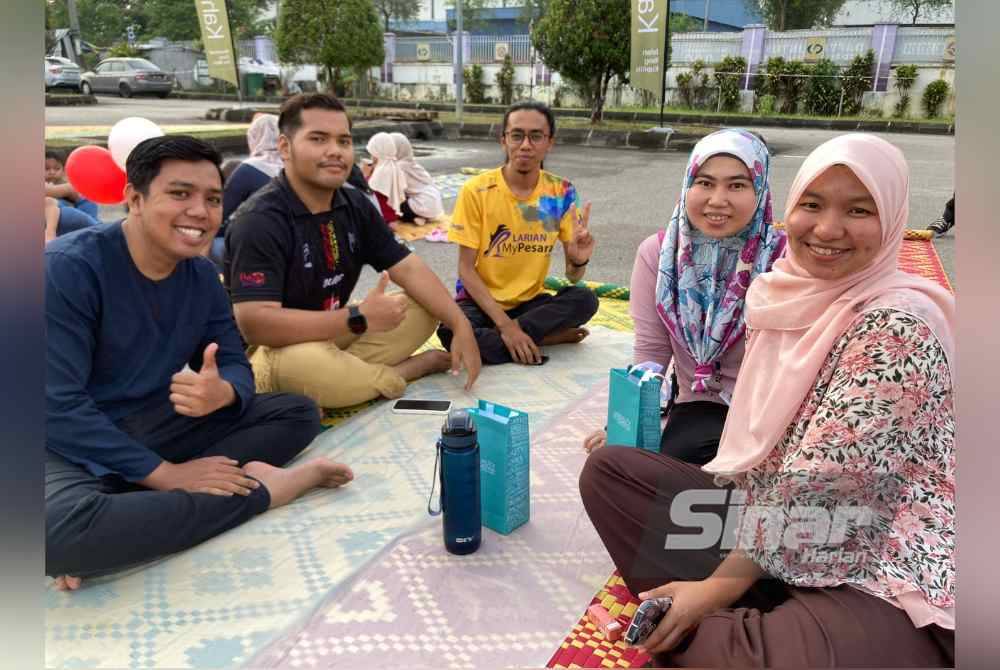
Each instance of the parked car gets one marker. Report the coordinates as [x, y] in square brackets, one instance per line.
[126, 77]
[61, 73]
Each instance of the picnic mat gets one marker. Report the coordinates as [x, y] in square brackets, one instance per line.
[218, 604]
[417, 606]
[918, 256]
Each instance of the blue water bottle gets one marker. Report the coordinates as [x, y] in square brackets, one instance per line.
[458, 455]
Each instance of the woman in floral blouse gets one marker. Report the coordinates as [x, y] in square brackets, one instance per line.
[822, 534]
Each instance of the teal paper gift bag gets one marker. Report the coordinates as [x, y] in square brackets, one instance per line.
[634, 409]
[504, 458]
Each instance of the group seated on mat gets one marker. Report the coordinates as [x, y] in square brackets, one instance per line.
[808, 371]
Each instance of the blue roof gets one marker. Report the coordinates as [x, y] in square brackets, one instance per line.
[729, 13]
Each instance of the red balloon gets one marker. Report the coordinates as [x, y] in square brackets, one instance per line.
[94, 174]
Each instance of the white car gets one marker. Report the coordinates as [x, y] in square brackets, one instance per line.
[61, 73]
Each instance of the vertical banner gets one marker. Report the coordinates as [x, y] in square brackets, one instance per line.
[214, 21]
[649, 21]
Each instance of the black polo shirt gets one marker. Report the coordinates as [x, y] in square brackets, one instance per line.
[277, 251]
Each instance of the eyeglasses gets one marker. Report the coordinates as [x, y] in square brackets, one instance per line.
[517, 136]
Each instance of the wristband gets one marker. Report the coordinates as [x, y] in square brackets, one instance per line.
[579, 265]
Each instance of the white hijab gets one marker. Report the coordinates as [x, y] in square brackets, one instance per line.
[424, 196]
[388, 177]
[262, 139]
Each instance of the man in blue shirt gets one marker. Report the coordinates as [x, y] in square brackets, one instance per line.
[156, 440]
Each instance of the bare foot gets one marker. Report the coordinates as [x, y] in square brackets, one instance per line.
[287, 484]
[568, 336]
[67, 583]
[424, 364]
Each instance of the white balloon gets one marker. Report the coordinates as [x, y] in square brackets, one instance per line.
[126, 134]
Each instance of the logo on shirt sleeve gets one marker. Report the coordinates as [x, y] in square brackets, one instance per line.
[252, 279]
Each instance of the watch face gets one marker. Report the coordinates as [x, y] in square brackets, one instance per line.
[357, 322]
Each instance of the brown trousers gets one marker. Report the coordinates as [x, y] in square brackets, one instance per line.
[627, 493]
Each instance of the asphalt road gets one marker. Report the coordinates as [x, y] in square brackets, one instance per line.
[632, 191]
[111, 109]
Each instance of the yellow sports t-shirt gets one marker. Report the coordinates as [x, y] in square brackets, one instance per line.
[514, 237]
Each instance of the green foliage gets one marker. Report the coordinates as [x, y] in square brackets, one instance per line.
[906, 76]
[934, 96]
[795, 14]
[105, 22]
[337, 36]
[475, 89]
[178, 20]
[823, 88]
[505, 81]
[587, 42]
[767, 105]
[693, 85]
[728, 75]
[399, 10]
[856, 79]
[123, 50]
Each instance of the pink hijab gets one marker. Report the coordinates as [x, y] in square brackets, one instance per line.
[795, 319]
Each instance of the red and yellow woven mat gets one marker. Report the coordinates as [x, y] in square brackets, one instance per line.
[586, 647]
[919, 257]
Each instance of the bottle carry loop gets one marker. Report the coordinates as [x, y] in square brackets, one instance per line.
[434, 480]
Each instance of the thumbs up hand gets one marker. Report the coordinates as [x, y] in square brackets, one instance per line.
[200, 393]
[383, 311]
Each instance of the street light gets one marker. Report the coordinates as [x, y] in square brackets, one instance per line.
[460, 74]
[707, 3]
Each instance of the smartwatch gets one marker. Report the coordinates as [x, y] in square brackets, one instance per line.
[356, 321]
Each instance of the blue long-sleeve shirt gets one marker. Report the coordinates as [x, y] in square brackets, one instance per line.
[115, 338]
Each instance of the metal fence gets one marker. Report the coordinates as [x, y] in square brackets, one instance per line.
[486, 49]
[841, 46]
[423, 50]
[922, 46]
[919, 46]
[708, 47]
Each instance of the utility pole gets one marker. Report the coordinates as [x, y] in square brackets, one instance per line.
[707, 5]
[74, 29]
[460, 75]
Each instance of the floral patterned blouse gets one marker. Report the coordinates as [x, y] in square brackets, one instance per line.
[863, 483]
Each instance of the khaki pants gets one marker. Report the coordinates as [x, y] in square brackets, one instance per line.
[335, 377]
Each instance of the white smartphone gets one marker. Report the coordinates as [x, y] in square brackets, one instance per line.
[414, 406]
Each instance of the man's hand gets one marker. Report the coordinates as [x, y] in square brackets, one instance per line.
[583, 241]
[465, 353]
[200, 393]
[520, 345]
[218, 475]
[692, 602]
[596, 440]
[383, 312]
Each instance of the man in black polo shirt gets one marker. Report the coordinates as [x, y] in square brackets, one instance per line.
[294, 252]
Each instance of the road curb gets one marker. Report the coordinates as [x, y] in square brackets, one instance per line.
[69, 99]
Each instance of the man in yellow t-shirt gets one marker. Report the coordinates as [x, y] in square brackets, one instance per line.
[507, 222]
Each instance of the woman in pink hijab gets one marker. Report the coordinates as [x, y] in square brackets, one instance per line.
[822, 534]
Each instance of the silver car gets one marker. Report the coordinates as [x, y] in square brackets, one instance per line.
[61, 73]
[126, 77]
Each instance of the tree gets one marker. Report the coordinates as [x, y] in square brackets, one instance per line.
[586, 41]
[102, 22]
[178, 19]
[333, 35]
[914, 8]
[401, 10]
[782, 15]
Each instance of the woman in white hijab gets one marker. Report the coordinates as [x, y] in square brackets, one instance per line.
[423, 198]
[405, 190]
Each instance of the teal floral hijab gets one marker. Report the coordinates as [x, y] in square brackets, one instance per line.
[702, 281]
